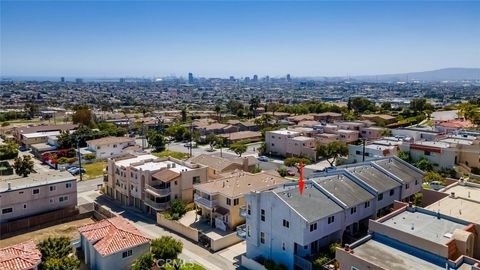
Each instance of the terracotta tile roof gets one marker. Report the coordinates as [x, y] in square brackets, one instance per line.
[166, 175]
[110, 140]
[112, 235]
[20, 256]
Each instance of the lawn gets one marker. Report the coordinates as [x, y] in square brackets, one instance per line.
[186, 266]
[94, 170]
[168, 153]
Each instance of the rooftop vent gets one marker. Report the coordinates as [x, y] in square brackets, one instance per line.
[452, 194]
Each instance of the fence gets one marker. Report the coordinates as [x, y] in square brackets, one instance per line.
[178, 227]
[226, 241]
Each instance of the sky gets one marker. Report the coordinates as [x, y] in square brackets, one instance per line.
[223, 38]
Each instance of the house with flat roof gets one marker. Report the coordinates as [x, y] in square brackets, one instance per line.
[22, 256]
[218, 165]
[289, 143]
[222, 200]
[108, 147]
[112, 243]
[39, 134]
[413, 238]
[334, 204]
[37, 193]
[149, 183]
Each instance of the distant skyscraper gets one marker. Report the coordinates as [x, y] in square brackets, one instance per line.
[78, 80]
[232, 78]
[62, 79]
[267, 78]
[122, 80]
[247, 79]
[190, 77]
[255, 78]
[289, 79]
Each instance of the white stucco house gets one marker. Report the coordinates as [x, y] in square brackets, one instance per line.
[109, 147]
[112, 244]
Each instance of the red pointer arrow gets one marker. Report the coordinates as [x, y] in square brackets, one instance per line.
[300, 181]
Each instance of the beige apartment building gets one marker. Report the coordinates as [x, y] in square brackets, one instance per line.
[39, 134]
[222, 201]
[287, 143]
[35, 194]
[218, 165]
[149, 183]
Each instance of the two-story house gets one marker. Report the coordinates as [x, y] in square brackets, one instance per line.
[108, 147]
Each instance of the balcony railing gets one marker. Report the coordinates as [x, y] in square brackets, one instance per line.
[242, 231]
[204, 201]
[155, 205]
[105, 178]
[243, 211]
[302, 263]
[157, 190]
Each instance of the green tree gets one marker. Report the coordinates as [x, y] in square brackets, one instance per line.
[184, 114]
[386, 106]
[362, 104]
[156, 140]
[177, 132]
[218, 110]
[23, 166]
[434, 176]
[31, 109]
[254, 103]
[295, 162]
[83, 116]
[166, 247]
[424, 165]
[144, 262]
[65, 140]
[332, 151]
[405, 156]
[420, 105]
[8, 151]
[89, 156]
[57, 254]
[256, 169]
[238, 148]
[177, 209]
[282, 171]
[211, 139]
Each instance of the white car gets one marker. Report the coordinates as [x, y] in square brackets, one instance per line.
[436, 185]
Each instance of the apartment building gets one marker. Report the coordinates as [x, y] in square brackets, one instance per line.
[327, 117]
[413, 238]
[384, 147]
[217, 165]
[222, 200]
[150, 183]
[441, 154]
[290, 143]
[39, 134]
[417, 133]
[289, 227]
[108, 147]
[35, 194]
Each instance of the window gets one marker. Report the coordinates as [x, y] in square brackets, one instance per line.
[24, 206]
[52, 200]
[392, 192]
[416, 182]
[262, 214]
[68, 185]
[427, 153]
[127, 253]
[236, 201]
[380, 197]
[114, 146]
[407, 186]
[358, 152]
[262, 237]
[229, 201]
[367, 204]
[196, 179]
[7, 210]
[331, 219]
[21, 192]
[273, 144]
[98, 147]
[36, 191]
[248, 231]
[286, 224]
[175, 183]
[283, 246]
[63, 198]
[353, 210]
[248, 209]
[313, 227]
[53, 188]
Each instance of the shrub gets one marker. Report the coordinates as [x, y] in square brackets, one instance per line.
[89, 156]
[177, 209]
[166, 247]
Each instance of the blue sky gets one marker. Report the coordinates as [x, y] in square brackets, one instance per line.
[222, 38]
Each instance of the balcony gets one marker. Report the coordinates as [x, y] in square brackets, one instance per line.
[105, 178]
[302, 263]
[243, 211]
[157, 190]
[242, 231]
[157, 206]
[204, 201]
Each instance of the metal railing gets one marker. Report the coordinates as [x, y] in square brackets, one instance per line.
[242, 231]
[157, 190]
[204, 201]
[155, 205]
[302, 263]
[243, 211]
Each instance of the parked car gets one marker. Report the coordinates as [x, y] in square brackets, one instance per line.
[71, 168]
[263, 158]
[436, 185]
[292, 171]
[188, 145]
[77, 171]
[23, 148]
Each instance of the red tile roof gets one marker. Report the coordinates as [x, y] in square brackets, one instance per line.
[112, 235]
[20, 256]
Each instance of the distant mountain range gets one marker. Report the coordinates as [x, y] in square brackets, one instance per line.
[446, 74]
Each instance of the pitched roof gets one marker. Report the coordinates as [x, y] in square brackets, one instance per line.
[345, 190]
[110, 140]
[166, 175]
[20, 256]
[242, 135]
[214, 162]
[112, 235]
[239, 183]
[42, 128]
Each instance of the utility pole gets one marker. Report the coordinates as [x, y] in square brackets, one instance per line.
[191, 138]
[79, 158]
[363, 153]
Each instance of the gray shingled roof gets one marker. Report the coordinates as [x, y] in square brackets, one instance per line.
[400, 170]
[312, 205]
[373, 177]
[344, 189]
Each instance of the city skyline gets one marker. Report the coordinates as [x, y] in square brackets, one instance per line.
[221, 39]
